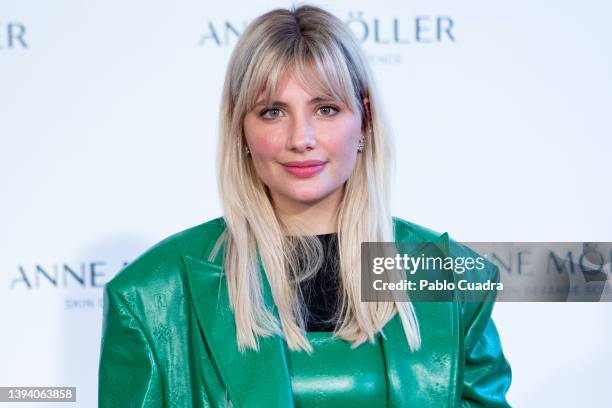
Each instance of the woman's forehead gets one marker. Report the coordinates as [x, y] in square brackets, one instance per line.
[315, 89]
[314, 83]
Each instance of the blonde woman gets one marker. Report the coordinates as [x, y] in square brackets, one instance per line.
[261, 307]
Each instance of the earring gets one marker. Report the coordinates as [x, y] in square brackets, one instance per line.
[246, 150]
[361, 145]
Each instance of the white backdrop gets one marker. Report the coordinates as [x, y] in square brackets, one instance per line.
[108, 121]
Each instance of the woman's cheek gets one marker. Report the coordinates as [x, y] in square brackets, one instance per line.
[346, 145]
[266, 144]
[259, 147]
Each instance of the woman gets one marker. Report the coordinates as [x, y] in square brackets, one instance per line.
[261, 308]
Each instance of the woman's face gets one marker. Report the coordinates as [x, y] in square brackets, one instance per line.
[304, 148]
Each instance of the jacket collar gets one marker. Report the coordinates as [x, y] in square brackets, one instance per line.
[262, 379]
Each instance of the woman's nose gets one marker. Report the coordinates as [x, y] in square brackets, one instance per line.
[302, 135]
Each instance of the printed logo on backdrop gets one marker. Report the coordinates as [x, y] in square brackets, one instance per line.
[385, 32]
[80, 281]
[13, 36]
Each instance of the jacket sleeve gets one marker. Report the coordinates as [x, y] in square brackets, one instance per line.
[128, 372]
[487, 374]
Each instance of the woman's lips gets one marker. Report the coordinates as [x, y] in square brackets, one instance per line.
[307, 168]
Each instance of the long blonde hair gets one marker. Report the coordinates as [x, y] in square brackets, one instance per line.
[327, 59]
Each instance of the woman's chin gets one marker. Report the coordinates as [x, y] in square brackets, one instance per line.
[308, 199]
[306, 196]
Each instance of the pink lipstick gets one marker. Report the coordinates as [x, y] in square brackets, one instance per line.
[307, 168]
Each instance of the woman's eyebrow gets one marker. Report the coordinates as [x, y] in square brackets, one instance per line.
[313, 101]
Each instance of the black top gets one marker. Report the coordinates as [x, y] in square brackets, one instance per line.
[321, 291]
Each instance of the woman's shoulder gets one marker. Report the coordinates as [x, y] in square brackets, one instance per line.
[489, 273]
[160, 264]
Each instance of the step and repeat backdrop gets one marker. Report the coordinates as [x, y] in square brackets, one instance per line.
[500, 113]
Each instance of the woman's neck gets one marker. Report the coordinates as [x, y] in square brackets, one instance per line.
[315, 218]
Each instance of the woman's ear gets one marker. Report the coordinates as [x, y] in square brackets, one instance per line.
[368, 114]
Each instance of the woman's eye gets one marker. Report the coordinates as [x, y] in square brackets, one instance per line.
[328, 110]
[275, 113]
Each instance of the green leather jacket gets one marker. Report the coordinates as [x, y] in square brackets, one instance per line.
[168, 340]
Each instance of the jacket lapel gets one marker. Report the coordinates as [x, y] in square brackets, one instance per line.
[253, 379]
[422, 378]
